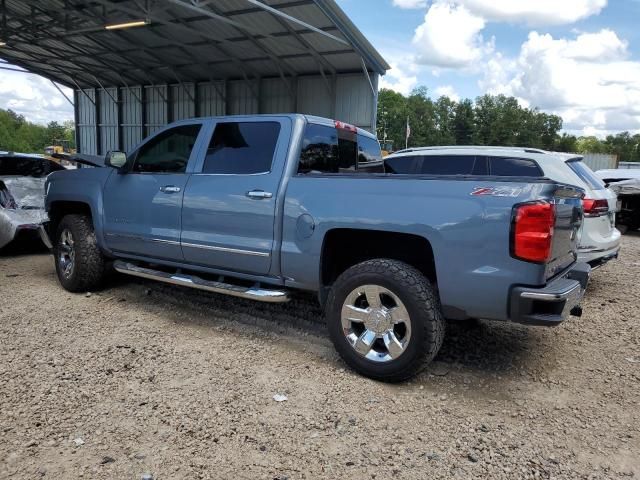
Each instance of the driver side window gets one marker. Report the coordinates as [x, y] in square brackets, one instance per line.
[168, 152]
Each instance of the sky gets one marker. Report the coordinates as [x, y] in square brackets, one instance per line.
[576, 58]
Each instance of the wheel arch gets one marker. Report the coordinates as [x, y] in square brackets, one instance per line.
[343, 248]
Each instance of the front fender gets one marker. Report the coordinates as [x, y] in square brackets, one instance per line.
[83, 186]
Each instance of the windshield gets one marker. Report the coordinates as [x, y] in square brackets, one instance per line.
[586, 174]
[27, 167]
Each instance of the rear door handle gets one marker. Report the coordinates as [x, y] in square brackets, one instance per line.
[170, 189]
[259, 194]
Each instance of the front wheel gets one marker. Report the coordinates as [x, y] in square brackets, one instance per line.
[384, 319]
[79, 263]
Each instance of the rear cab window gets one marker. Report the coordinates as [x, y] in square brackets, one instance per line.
[333, 150]
[586, 174]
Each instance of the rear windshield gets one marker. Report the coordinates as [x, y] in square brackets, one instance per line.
[27, 167]
[330, 150]
[586, 174]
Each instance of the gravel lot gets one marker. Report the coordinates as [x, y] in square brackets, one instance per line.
[143, 378]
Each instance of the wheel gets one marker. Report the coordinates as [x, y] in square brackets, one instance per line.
[79, 262]
[384, 319]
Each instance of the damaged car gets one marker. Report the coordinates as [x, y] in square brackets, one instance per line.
[626, 184]
[22, 180]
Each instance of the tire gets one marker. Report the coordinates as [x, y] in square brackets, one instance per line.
[397, 285]
[87, 268]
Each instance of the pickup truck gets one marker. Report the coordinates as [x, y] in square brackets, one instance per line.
[263, 206]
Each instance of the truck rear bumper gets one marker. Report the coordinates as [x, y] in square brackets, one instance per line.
[551, 305]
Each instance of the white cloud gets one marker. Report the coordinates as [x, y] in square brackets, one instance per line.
[401, 79]
[34, 97]
[586, 79]
[450, 36]
[410, 4]
[535, 12]
[447, 91]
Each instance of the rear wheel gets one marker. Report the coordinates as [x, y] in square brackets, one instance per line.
[79, 263]
[384, 319]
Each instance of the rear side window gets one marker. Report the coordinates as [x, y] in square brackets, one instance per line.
[242, 148]
[446, 164]
[586, 174]
[513, 167]
[400, 165]
[438, 165]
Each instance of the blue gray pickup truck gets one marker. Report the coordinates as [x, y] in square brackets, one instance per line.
[261, 207]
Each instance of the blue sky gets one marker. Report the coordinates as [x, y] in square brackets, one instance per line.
[576, 58]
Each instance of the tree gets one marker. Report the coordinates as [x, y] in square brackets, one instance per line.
[19, 135]
[463, 122]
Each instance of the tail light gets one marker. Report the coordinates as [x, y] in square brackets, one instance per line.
[595, 208]
[532, 232]
[345, 126]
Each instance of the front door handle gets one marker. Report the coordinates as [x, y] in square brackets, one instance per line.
[170, 189]
[259, 194]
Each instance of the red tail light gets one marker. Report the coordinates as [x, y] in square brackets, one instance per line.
[532, 232]
[595, 208]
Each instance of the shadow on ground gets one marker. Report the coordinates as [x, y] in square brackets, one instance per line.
[24, 244]
[472, 346]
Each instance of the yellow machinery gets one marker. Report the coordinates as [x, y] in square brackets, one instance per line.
[59, 147]
[387, 147]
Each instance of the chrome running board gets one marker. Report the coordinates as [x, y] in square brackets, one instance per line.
[192, 281]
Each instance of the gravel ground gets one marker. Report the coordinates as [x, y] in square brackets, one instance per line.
[143, 378]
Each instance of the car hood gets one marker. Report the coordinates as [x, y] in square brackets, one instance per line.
[28, 192]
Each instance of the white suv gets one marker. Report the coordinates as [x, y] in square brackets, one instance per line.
[600, 240]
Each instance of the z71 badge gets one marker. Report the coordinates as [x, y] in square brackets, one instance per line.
[497, 191]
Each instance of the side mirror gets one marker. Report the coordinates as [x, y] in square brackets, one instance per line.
[115, 159]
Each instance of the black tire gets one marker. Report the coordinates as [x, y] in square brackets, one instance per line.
[88, 268]
[421, 303]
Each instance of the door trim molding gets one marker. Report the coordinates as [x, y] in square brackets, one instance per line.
[227, 250]
[144, 239]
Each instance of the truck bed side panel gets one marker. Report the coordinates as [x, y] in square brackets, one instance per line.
[469, 234]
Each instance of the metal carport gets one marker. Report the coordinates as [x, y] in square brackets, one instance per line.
[192, 58]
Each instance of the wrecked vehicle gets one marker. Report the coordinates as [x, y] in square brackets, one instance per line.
[626, 184]
[22, 180]
[264, 206]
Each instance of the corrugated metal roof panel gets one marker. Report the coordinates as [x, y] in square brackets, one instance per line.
[65, 40]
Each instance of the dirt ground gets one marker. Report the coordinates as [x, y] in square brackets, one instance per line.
[143, 380]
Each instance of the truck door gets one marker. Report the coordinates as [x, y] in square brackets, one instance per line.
[142, 206]
[230, 201]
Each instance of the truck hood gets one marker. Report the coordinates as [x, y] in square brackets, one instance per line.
[28, 192]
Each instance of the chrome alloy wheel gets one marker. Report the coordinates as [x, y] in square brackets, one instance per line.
[66, 253]
[376, 323]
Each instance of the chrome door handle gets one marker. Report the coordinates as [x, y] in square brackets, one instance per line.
[259, 194]
[170, 189]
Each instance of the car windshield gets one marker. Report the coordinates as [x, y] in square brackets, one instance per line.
[27, 166]
[586, 174]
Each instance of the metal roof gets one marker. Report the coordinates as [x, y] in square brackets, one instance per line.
[184, 40]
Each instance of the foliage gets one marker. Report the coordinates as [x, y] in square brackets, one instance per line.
[489, 120]
[19, 135]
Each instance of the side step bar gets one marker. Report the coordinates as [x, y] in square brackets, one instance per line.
[192, 281]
